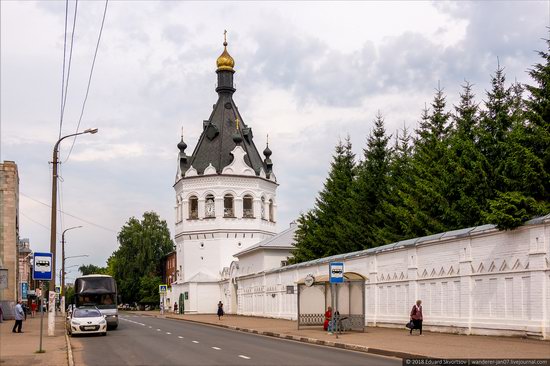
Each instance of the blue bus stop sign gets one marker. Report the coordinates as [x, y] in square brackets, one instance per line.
[42, 266]
[336, 270]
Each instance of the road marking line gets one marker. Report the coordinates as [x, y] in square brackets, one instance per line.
[150, 327]
[245, 357]
[216, 348]
[180, 337]
[158, 330]
[195, 341]
[168, 333]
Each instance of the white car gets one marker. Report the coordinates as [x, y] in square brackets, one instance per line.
[86, 320]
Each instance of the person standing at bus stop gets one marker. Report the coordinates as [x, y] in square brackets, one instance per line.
[33, 308]
[19, 316]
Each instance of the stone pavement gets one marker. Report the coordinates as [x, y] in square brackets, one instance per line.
[385, 341]
[20, 349]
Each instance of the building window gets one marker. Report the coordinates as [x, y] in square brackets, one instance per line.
[209, 207]
[271, 213]
[263, 208]
[193, 208]
[228, 206]
[248, 210]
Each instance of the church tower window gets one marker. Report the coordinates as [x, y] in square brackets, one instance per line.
[193, 208]
[263, 208]
[209, 206]
[228, 210]
[271, 212]
[248, 210]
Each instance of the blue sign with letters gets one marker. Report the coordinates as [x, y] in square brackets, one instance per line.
[336, 270]
[24, 290]
[42, 266]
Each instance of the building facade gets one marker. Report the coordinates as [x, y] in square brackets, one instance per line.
[169, 267]
[225, 198]
[9, 236]
[24, 274]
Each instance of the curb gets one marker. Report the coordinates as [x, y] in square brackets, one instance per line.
[319, 342]
[70, 358]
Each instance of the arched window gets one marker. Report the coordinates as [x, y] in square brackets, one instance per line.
[248, 209]
[263, 208]
[271, 213]
[228, 206]
[193, 208]
[209, 206]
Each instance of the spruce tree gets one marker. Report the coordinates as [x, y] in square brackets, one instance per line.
[328, 228]
[426, 199]
[371, 187]
[538, 117]
[467, 187]
[517, 172]
[397, 207]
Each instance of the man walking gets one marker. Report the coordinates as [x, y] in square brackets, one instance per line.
[19, 316]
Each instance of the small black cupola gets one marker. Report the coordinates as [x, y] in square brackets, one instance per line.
[267, 160]
[182, 156]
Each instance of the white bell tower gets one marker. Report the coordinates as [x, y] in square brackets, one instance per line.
[225, 199]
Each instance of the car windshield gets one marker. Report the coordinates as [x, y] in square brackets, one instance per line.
[86, 313]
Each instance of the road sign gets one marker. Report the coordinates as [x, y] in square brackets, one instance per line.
[42, 266]
[57, 289]
[162, 289]
[336, 270]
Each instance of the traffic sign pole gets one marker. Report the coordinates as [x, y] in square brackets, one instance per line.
[41, 314]
[336, 275]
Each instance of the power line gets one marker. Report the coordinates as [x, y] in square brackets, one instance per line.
[89, 78]
[69, 67]
[63, 74]
[36, 222]
[71, 215]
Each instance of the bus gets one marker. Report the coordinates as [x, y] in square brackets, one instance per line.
[99, 291]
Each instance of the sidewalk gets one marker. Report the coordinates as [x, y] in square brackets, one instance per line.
[20, 349]
[385, 341]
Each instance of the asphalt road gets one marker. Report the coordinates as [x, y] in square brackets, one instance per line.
[149, 341]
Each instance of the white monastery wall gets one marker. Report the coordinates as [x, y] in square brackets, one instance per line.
[482, 282]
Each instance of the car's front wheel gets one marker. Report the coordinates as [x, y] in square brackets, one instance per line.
[104, 333]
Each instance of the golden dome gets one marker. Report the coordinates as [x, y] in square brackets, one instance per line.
[225, 61]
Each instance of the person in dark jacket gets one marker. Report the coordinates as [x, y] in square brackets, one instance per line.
[220, 310]
[416, 316]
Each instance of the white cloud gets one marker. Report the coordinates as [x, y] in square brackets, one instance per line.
[307, 73]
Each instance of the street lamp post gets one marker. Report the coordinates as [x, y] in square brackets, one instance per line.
[53, 226]
[62, 279]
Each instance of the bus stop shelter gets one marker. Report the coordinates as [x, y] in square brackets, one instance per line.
[314, 299]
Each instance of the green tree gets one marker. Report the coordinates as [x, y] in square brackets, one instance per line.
[89, 269]
[517, 173]
[371, 187]
[142, 245]
[467, 185]
[328, 228]
[537, 114]
[424, 197]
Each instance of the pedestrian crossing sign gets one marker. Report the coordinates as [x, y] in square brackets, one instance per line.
[162, 289]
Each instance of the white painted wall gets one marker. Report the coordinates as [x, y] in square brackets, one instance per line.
[488, 282]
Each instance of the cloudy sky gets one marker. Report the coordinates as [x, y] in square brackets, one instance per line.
[308, 73]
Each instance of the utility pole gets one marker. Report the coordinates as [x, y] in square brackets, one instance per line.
[53, 225]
